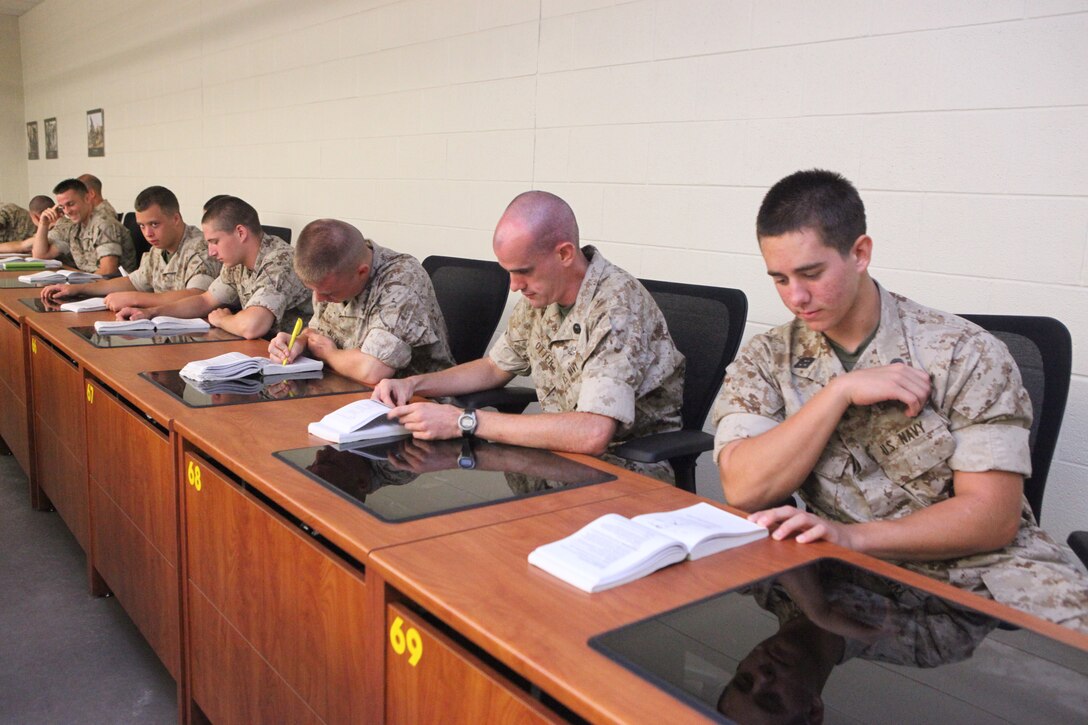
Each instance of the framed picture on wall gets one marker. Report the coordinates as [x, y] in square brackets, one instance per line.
[32, 140]
[50, 138]
[96, 133]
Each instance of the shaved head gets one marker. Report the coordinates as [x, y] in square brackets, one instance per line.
[326, 246]
[548, 219]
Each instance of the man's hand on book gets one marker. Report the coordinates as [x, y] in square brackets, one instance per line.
[786, 521]
[394, 391]
[277, 348]
[429, 421]
[118, 301]
[134, 313]
[55, 292]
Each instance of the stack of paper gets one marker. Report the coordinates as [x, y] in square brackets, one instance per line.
[10, 262]
[232, 365]
[71, 276]
[91, 304]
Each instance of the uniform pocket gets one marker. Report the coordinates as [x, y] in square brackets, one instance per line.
[907, 452]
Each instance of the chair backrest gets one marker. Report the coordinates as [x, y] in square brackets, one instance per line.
[706, 323]
[138, 241]
[283, 233]
[472, 295]
[1043, 349]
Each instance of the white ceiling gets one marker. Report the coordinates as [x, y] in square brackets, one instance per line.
[16, 7]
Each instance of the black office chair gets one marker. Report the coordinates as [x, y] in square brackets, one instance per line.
[138, 241]
[706, 323]
[472, 295]
[1043, 350]
[283, 233]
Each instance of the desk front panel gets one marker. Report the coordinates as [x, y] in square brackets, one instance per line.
[134, 521]
[14, 425]
[296, 608]
[60, 443]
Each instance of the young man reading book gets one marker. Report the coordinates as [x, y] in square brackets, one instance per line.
[875, 410]
[177, 266]
[257, 276]
[593, 338]
[375, 313]
[93, 240]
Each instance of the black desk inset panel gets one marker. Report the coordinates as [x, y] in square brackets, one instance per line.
[151, 337]
[882, 651]
[401, 479]
[38, 305]
[12, 282]
[253, 389]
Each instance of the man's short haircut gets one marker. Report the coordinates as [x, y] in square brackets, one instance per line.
[326, 246]
[40, 203]
[71, 185]
[93, 183]
[227, 212]
[158, 196]
[551, 219]
[214, 199]
[816, 199]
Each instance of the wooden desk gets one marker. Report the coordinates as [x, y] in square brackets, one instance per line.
[279, 596]
[479, 585]
[14, 386]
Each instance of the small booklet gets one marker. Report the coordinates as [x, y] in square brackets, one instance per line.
[162, 324]
[91, 304]
[14, 262]
[356, 421]
[71, 276]
[233, 365]
[614, 550]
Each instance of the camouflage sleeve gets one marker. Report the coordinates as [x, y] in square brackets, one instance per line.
[141, 276]
[403, 318]
[750, 402]
[276, 287]
[107, 239]
[196, 272]
[990, 411]
[8, 224]
[510, 351]
[224, 289]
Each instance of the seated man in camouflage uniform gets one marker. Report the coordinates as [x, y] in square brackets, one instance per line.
[592, 337]
[93, 241]
[875, 410]
[177, 266]
[17, 226]
[257, 276]
[94, 193]
[375, 313]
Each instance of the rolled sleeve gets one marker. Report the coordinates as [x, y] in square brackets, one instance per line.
[506, 356]
[992, 447]
[139, 277]
[223, 292]
[387, 348]
[737, 426]
[200, 281]
[269, 298]
[606, 396]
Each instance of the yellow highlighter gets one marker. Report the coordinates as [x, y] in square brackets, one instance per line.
[294, 336]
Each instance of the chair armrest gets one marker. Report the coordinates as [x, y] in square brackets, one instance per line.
[663, 446]
[511, 399]
[1078, 542]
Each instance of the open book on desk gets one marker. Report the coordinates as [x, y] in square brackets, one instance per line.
[614, 550]
[162, 324]
[356, 421]
[91, 304]
[232, 365]
[71, 276]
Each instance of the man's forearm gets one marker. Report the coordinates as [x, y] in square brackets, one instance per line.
[761, 471]
[587, 433]
[102, 287]
[471, 377]
[358, 365]
[41, 247]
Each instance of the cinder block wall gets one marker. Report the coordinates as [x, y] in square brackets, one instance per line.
[661, 121]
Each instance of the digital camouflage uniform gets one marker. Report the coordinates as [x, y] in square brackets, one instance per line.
[189, 267]
[611, 355]
[101, 236]
[880, 464]
[272, 284]
[395, 318]
[15, 223]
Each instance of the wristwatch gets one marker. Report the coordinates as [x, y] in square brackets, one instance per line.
[467, 422]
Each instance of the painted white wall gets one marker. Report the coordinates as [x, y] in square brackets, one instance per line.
[13, 163]
[661, 121]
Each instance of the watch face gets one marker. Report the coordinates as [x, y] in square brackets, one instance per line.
[467, 422]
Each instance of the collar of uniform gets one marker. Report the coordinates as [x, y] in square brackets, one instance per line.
[890, 341]
[564, 326]
[266, 244]
[811, 356]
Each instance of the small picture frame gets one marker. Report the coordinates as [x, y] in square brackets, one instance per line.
[51, 138]
[96, 133]
[32, 141]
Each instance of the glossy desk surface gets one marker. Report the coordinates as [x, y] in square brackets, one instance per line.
[539, 626]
